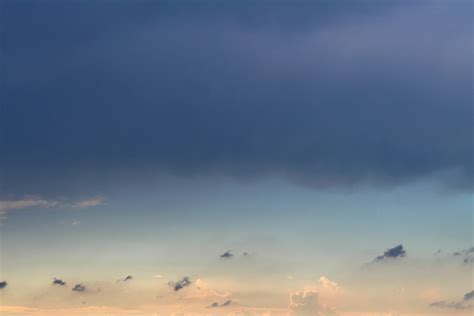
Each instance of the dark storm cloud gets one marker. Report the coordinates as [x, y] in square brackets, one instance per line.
[391, 253]
[185, 281]
[321, 94]
[58, 282]
[213, 305]
[3, 284]
[227, 254]
[79, 288]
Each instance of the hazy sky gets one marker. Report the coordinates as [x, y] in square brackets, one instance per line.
[236, 157]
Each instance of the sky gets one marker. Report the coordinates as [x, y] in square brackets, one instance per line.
[236, 158]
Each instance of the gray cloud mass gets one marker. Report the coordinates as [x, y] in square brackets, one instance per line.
[313, 96]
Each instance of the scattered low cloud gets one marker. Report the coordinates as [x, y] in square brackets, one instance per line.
[184, 282]
[227, 254]
[469, 296]
[213, 305]
[216, 304]
[456, 305]
[449, 305]
[79, 288]
[158, 276]
[127, 278]
[391, 253]
[306, 303]
[467, 255]
[226, 303]
[58, 282]
[3, 284]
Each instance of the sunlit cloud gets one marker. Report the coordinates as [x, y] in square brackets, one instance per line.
[306, 303]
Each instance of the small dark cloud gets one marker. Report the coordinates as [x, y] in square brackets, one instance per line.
[227, 254]
[391, 253]
[3, 284]
[185, 281]
[79, 288]
[467, 255]
[127, 278]
[226, 303]
[216, 304]
[58, 282]
[469, 296]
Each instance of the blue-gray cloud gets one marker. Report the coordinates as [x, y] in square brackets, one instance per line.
[3, 284]
[227, 254]
[469, 296]
[391, 253]
[466, 255]
[457, 305]
[127, 278]
[178, 285]
[58, 282]
[312, 93]
[79, 288]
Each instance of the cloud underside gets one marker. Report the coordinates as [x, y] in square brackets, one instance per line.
[320, 100]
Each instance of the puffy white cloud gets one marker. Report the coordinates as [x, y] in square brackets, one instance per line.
[306, 303]
[332, 286]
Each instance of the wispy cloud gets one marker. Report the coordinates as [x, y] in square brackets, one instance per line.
[467, 255]
[99, 200]
[216, 304]
[226, 303]
[450, 305]
[127, 278]
[456, 305]
[8, 206]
